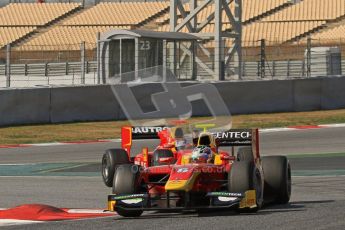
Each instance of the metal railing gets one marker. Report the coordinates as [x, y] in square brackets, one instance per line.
[50, 69]
[27, 68]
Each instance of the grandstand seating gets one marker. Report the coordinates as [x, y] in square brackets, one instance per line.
[277, 32]
[207, 29]
[252, 10]
[100, 18]
[67, 38]
[311, 10]
[329, 36]
[11, 34]
[33, 14]
[283, 32]
[121, 13]
[253, 33]
[18, 20]
[276, 21]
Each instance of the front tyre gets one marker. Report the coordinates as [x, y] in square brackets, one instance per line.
[126, 181]
[244, 176]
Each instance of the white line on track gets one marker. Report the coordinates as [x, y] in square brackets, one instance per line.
[75, 177]
[11, 222]
[332, 125]
[275, 130]
[111, 140]
[47, 144]
[96, 211]
[321, 176]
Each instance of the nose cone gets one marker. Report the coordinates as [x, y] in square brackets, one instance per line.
[182, 178]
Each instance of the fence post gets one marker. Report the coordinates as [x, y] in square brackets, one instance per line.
[26, 69]
[8, 65]
[273, 69]
[82, 57]
[288, 68]
[66, 68]
[309, 57]
[262, 58]
[98, 58]
[87, 67]
[243, 72]
[164, 60]
[258, 69]
[46, 72]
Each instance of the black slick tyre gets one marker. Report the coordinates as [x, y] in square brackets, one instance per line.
[126, 182]
[245, 154]
[110, 160]
[244, 176]
[277, 174]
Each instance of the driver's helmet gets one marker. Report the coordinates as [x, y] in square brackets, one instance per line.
[201, 154]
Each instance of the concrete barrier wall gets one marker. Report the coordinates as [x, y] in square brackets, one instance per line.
[258, 96]
[333, 93]
[97, 103]
[24, 106]
[307, 94]
[83, 104]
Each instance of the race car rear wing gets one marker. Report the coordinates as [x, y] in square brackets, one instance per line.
[130, 133]
[239, 137]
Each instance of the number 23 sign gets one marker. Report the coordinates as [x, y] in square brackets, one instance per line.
[145, 45]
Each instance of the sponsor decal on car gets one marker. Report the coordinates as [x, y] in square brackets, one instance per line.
[182, 170]
[226, 199]
[233, 135]
[127, 197]
[157, 129]
[132, 201]
[225, 194]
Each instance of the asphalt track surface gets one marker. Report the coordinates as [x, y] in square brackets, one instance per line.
[317, 202]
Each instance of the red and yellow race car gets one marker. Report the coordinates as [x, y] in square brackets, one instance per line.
[178, 176]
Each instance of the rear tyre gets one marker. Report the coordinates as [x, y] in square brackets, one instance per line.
[244, 176]
[112, 158]
[245, 154]
[161, 153]
[126, 182]
[277, 174]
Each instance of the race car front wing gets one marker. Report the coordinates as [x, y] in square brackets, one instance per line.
[145, 202]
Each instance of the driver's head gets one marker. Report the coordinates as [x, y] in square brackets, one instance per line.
[180, 144]
[201, 154]
[195, 137]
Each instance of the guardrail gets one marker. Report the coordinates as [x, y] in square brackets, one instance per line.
[21, 68]
[70, 73]
[49, 69]
[67, 73]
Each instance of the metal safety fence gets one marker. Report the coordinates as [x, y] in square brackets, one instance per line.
[68, 64]
[74, 64]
